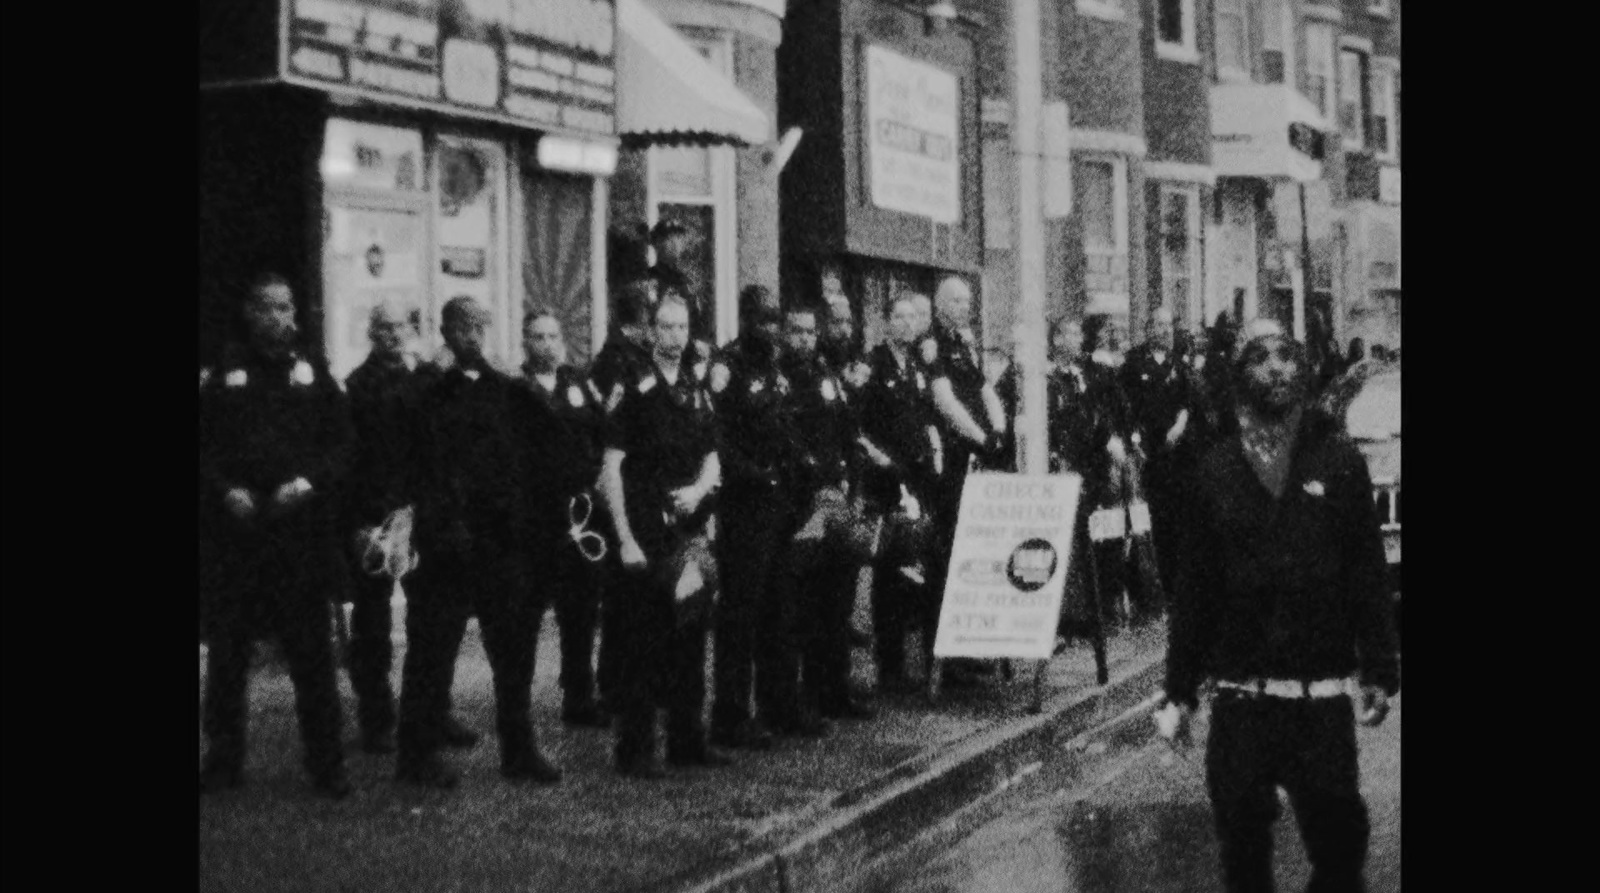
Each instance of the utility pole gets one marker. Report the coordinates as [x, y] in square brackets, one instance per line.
[1027, 142]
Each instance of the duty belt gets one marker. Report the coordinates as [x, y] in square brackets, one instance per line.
[1288, 688]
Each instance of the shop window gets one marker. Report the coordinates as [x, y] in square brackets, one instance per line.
[1318, 82]
[1180, 251]
[558, 237]
[1175, 31]
[1277, 42]
[1383, 140]
[1232, 40]
[1103, 206]
[1353, 99]
[469, 236]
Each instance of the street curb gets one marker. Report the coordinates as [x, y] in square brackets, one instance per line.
[861, 825]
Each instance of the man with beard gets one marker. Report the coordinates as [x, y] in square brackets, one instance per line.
[567, 558]
[760, 462]
[659, 472]
[819, 578]
[1280, 599]
[483, 460]
[275, 439]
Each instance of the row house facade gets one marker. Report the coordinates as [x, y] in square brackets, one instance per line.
[1205, 157]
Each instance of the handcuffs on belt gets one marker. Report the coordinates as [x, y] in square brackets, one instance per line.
[386, 549]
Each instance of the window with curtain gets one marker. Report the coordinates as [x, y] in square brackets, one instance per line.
[1319, 67]
[555, 265]
[1232, 40]
[1353, 98]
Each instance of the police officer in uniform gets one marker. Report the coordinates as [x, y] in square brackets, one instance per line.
[624, 359]
[571, 567]
[897, 424]
[1281, 598]
[477, 472]
[1162, 410]
[760, 462]
[275, 438]
[971, 423]
[659, 472]
[820, 579]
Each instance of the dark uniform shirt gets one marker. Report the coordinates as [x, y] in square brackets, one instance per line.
[579, 403]
[823, 419]
[382, 394]
[896, 411]
[265, 421]
[955, 359]
[757, 434]
[666, 431]
[1082, 407]
[1282, 588]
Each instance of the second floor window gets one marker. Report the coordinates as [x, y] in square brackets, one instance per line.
[1233, 40]
[1319, 71]
[1383, 139]
[1175, 32]
[1353, 98]
[1277, 42]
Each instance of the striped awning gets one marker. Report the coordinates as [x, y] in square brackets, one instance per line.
[667, 94]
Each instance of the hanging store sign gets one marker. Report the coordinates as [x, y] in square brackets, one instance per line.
[549, 64]
[912, 131]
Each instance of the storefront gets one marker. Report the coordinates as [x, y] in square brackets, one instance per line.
[408, 151]
[884, 194]
[699, 82]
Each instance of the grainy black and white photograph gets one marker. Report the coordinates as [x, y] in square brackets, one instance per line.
[799, 446]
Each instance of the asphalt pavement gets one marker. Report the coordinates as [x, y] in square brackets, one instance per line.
[1135, 821]
[802, 817]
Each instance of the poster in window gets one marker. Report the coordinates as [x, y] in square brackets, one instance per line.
[469, 177]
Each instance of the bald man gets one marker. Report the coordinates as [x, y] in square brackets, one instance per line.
[381, 390]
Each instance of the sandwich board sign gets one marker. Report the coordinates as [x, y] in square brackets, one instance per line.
[1008, 568]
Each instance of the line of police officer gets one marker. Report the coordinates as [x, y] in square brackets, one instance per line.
[505, 475]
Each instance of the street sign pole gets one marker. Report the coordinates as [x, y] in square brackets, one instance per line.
[1032, 329]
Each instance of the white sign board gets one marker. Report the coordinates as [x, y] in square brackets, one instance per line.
[912, 128]
[1389, 184]
[1008, 569]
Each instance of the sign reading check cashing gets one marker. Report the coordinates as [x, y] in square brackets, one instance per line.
[1009, 566]
[545, 63]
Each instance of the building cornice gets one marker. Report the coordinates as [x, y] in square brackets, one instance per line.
[1106, 141]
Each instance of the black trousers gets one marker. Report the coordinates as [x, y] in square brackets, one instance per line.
[817, 594]
[372, 649]
[269, 588]
[443, 592]
[1308, 748]
[1163, 483]
[659, 663]
[751, 624]
[575, 589]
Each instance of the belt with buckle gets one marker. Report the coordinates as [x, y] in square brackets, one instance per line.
[1288, 688]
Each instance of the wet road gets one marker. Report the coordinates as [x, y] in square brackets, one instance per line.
[1141, 823]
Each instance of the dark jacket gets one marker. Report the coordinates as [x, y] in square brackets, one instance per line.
[758, 447]
[1289, 588]
[265, 421]
[1157, 392]
[619, 362]
[665, 432]
[382, 396]
[823, 419]
[484, 478]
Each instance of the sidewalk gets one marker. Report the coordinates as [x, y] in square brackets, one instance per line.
[797, 818]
